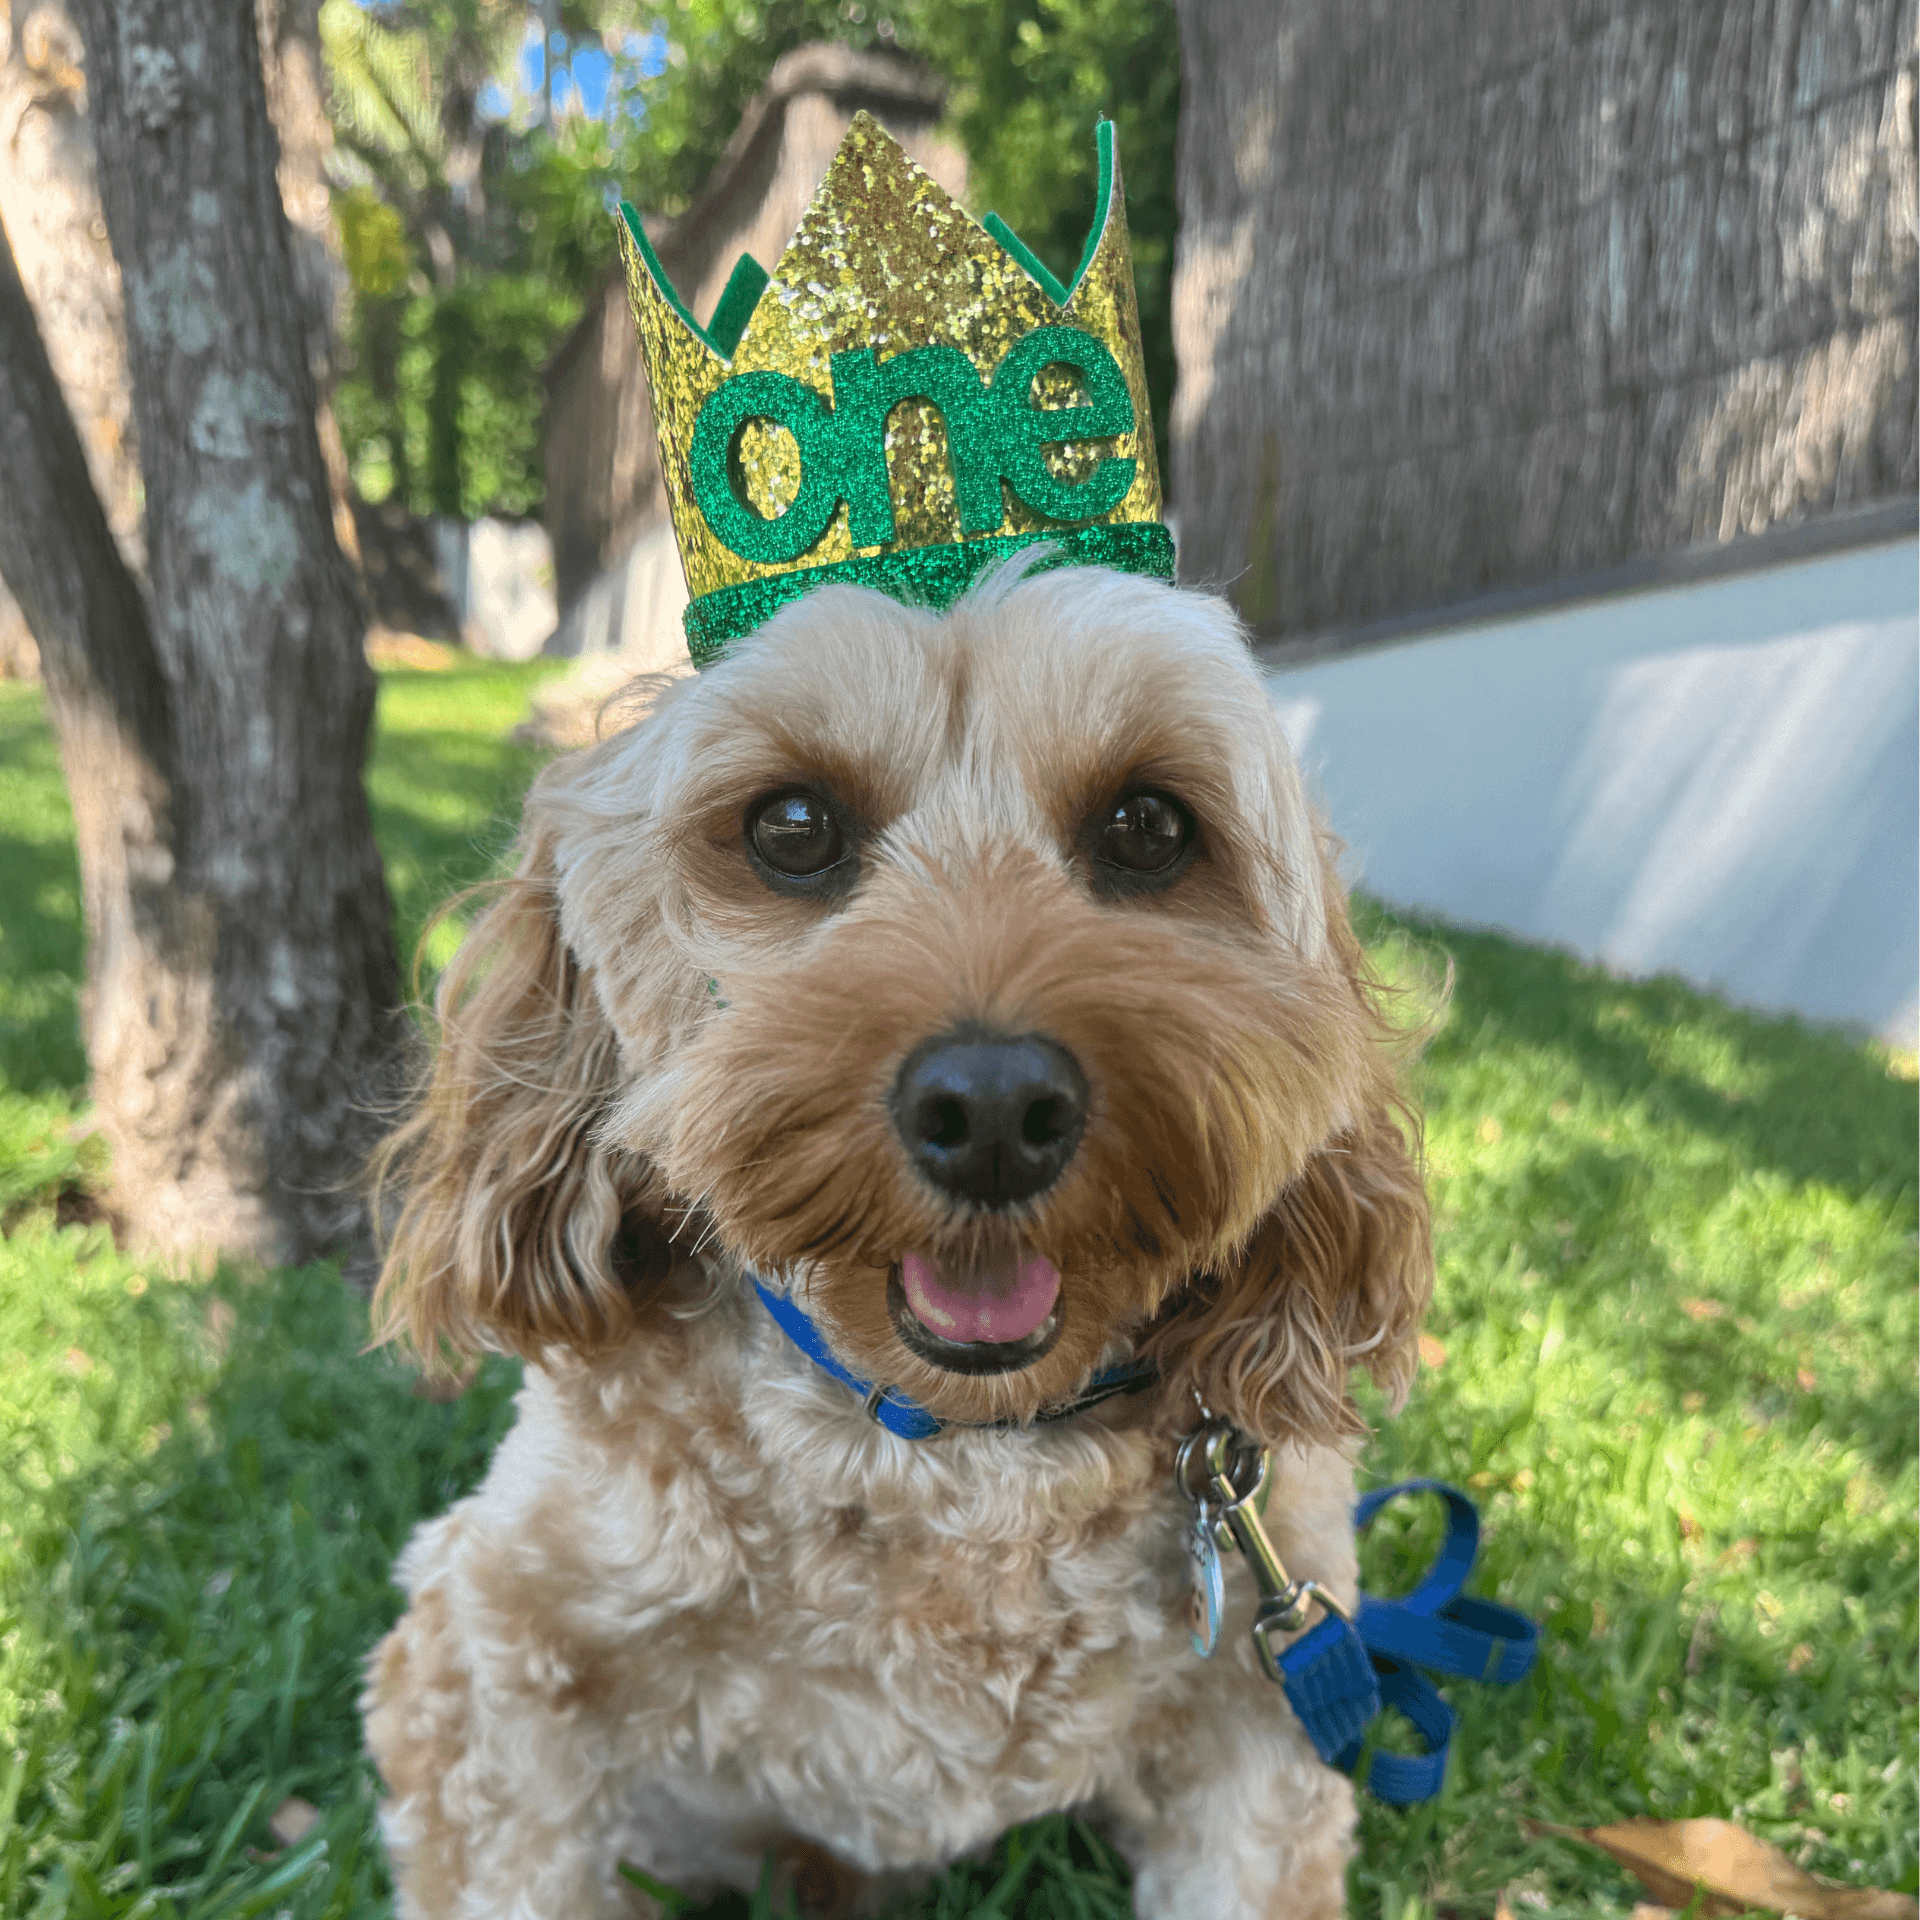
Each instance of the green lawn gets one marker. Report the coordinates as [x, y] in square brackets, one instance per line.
[1675, 1330]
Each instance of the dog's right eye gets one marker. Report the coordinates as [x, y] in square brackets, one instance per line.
[796, 834]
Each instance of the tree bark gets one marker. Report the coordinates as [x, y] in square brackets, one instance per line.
[50, 207]
[238, 1048]
[1473, 296]
[297, 101]
[109, 697]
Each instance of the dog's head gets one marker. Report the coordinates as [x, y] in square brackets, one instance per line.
[983, 974]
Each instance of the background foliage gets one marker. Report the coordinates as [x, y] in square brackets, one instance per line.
[480, 145]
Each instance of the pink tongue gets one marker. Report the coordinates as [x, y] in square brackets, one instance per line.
[1003, 1300]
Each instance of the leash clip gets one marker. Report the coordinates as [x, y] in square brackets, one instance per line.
[1236, 1473]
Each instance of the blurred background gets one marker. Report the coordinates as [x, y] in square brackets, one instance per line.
[1537, 378]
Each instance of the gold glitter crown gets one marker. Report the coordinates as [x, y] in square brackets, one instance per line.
[908, 397]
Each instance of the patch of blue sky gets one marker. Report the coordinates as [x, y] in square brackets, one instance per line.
[493, 102]
[592, 76]
[648, 51]
[532, 64]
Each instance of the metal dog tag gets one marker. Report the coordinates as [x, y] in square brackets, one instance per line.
[1207, 1599]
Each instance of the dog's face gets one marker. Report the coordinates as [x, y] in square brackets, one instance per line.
[984, 975]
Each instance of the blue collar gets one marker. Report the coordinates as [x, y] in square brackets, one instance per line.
[891, 1409]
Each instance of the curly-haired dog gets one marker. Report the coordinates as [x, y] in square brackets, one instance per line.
[982, 979]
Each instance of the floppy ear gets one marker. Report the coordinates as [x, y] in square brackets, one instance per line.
[1339, 1270]
[1337, 1274]
[517, 1228]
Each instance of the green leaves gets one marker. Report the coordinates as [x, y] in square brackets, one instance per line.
[373, 242]
[459, 432]
[527, 231]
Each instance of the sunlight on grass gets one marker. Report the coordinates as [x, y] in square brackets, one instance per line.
[1672, 1352]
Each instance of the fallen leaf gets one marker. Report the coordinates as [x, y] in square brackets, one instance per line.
[1432, 1353]
[1806, 1378]
[293, 1819]
[1800, 1659]
[1729, 1870]
[77, 1360]
[388, 648]
[1489, 1131]
[1703, 1309]
[1501, 1909]
[1646, 1910]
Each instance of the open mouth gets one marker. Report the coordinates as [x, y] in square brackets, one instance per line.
[993, 1320]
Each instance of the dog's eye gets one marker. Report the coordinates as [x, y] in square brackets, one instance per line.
[796, 834]
[1144, 833]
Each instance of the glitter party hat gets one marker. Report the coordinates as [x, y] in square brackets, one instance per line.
[908, 397]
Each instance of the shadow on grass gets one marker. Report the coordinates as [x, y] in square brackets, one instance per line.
[197, 1645]
[41, 944]
[1815, 1105]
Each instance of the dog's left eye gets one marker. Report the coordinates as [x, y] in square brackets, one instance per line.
[1145, 833]
[796, 834]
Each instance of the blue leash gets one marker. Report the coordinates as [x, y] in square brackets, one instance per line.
[1337, 1675]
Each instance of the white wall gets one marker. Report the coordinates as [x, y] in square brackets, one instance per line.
[499, 579]
[1720, 780]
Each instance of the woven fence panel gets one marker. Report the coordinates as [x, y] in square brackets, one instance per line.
[1477, 295]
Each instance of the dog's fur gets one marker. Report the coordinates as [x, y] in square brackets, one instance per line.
[701, 1606]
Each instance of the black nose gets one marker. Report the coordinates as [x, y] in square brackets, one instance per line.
[990, 1119]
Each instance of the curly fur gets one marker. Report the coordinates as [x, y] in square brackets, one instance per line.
[701, 1607]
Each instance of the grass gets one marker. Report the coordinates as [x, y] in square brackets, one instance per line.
[1672, 1351]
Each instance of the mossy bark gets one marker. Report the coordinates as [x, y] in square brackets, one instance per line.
[242, 1017]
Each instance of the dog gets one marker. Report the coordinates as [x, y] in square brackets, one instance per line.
[981, 982]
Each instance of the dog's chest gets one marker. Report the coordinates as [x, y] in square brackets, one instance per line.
[906, 1649]
[942, 1674]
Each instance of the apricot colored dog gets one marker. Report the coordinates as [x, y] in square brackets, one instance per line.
[981, 980]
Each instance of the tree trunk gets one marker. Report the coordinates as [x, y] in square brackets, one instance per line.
[110, 703]
[50, 207]
[297, 101]
[1478, 295]
[237, 1047]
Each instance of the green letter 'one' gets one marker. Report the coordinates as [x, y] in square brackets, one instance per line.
[1024, 429]
[784, 402]
[866, 389]
[992, 433]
